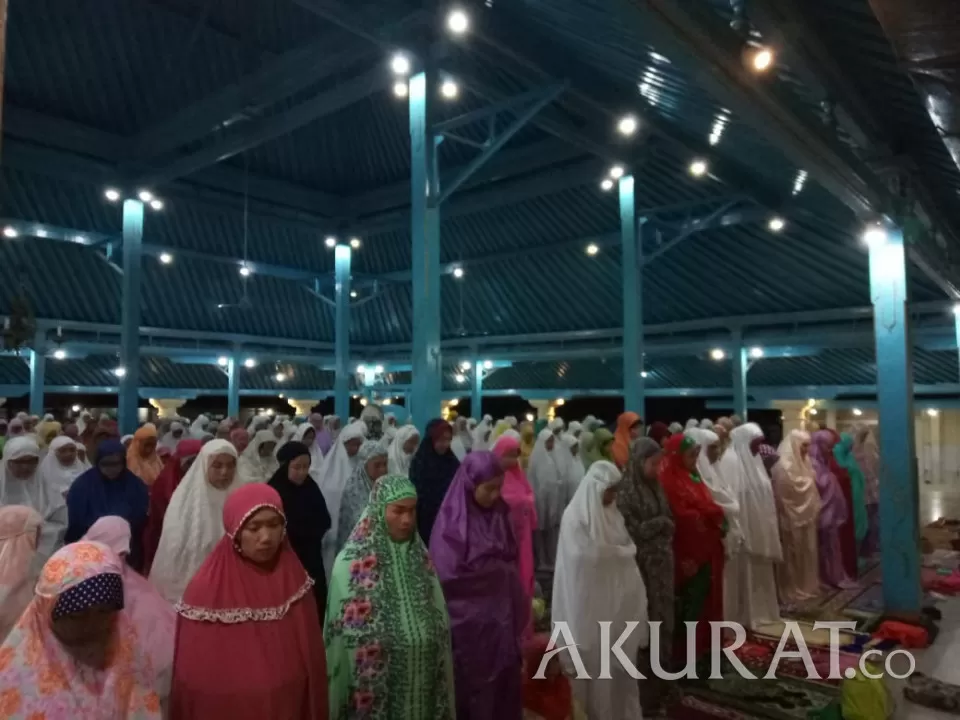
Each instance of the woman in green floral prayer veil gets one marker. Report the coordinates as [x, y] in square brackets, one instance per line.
[601, 447]
[387, 630]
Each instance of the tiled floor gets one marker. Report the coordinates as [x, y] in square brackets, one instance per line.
[942, 660]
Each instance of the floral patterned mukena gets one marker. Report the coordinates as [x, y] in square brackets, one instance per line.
[387, 630]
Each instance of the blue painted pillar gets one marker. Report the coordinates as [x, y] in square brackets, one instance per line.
[476, 397]
[899, 529]
[38, 363]
[739, 357]
[425, 232]
[631, 267]
[130, 316]
[341, 382]
[233, 386]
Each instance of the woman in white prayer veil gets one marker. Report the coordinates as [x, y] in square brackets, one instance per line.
[706, 424]
[307, 434]
[401, 450]
[597, 580]
[338, 468]
[21, 483]
[172, 436]
[575, 471]
[332, 425]
[549, 491]
[574, 428]
[692, 423]
[193, 523]
[727, 475]
[199, 427]
[561, 453]
[257, 462]
[761, 534]
[61, 466]
[389, 428]
[675, 428]
[481, 436]
[457, 445]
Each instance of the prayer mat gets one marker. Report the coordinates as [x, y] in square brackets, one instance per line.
[924, 690]
[870, 603]
[690, 707]
[940, 535]
[758, 652]
[779, 699]
[820, 638]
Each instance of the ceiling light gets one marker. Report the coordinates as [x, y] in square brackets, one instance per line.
[400, 64]
[932, 412]
[269, 411]
[776, 223]
[60, 354]
[698, 168]
[762, 59]
[460, 377]
[363, 402]
[559, 401]
[111, 194]
[120, 372]
[81, 239]
[627, 125]
[75, 408]
[454, 402]
[530, 417]
[592, 249]
[400, 89]
[245, 271]
[956, 309]
[249, 363]
[458, 272]
[644, 373]
[874, 236]
[378, 369]
[813, 411]
[10, 232]
[354, 242]
[166, 258]
[857, 412]
[487, 364]
[465, 365]
[458, 22]
[330, 241]
[156, 204]
[222, 361]
[756, 352]
[658, 58]
[449, 89]
[145, 196]
[386, 401]
[616, 172]
[717, 354]
[353, 293]
[799, 181]
[606, 185]
[280, 396]
[41, 232]
[280, 377]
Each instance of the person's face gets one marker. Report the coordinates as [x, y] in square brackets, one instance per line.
[299, 469]
[550, 443]
[177, 434]
[651, 466]
[401, 519]
[487, 493]
[86, 635]
[635, 431]
[442, 443]
[575, 449]
[261, 535]
[24, 467]
[266, 449]
[277, 431]
[690, 456]
[220, 470]
[663, 440]
[335, 425]
[510, 459]
[713, 452]
[148, 447]
[610, 495]
[353, 446]
[223, 433]
[111, 466]
[486, 436]
[309, 436]
[804, 449]
[28, 425]
[67, 455]
[411, 444]
[376, 467]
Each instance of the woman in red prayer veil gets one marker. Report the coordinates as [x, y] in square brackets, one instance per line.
[697, 543]
[848, 536]
[249, 643]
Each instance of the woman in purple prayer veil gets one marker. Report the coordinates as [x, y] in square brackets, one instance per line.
[323, 439]
[833, 511]
[475, 554]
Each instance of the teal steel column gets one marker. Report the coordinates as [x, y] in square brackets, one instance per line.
[233, 386]
[476, 398]
[899, 530]
[38, 363]
[739, 376]
[341, 382]
[130, 316]
[425, 232]
[632, 270]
